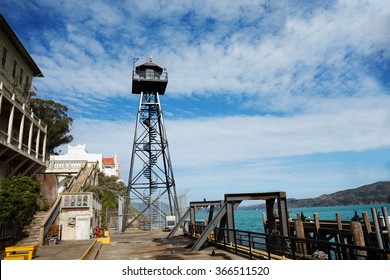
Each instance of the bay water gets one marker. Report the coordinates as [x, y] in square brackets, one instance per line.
[251, 220]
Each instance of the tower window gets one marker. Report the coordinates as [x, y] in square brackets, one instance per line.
[150, 74]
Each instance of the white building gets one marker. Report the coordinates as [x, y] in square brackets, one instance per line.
[109, 166]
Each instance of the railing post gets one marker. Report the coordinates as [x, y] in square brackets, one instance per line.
[235, 239]
[267, 245]
[42, 236]
[250, 244]
[293, 247]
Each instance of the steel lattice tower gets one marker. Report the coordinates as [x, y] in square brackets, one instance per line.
[151, 176]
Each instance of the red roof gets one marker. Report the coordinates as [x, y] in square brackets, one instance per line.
[109, 161]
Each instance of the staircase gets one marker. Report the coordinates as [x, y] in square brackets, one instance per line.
[81, 180]
[148, 167]
[85, 177]
[32, 231]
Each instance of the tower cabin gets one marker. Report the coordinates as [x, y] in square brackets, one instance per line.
[149, 77]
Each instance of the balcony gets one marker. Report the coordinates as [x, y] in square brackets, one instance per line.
[149, 81]
[22, 138]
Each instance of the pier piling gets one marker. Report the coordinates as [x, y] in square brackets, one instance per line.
[300, 234]
[377, 228]
[358, 239]
[387, 223]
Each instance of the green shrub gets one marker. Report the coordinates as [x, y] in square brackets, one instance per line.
[18, 199]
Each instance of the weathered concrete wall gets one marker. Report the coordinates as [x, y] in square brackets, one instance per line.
[50, 187]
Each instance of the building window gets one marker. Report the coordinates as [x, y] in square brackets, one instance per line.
[21, 76]
[85, 200]
[4, 59]
[14, 69]
[27, 85]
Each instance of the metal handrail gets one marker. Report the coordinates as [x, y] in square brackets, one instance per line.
[90, 175]
[73, 181]
[144, 75]
[51, 217]
[279, 246]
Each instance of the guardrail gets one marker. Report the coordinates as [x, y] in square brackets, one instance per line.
[89, 178]
[50, 219]
[7, 230]
[268, 246]
[145, 75]
[65, 164]
[19, 105]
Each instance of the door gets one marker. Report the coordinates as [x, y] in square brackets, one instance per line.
[82, 227]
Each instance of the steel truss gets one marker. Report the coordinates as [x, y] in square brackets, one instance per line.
[151, 176]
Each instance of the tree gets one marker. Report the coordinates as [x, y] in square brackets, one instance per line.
[19, 198]
[107, 191]
[54, 115]
[108, 183]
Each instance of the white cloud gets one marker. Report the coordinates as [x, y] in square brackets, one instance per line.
[248, 151]
[317, 68]
[277, 54]
[346, 126]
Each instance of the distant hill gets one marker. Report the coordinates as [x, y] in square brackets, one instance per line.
[376, 193]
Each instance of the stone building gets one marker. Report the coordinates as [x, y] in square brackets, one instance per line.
[22, 134]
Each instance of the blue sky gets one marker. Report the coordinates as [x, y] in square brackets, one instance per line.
[262, 95]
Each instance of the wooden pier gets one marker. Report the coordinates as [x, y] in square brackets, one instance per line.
[287, 237]
[359, 232]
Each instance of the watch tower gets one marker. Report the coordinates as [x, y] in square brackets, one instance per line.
[151, 183]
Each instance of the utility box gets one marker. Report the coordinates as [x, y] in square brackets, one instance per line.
[170, 223]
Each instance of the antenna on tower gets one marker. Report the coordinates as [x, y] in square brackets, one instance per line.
[134, 61]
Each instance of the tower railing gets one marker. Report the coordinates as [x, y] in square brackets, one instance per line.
[145, 75]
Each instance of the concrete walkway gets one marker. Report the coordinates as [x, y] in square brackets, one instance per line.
[153, 245]
[135, 245]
